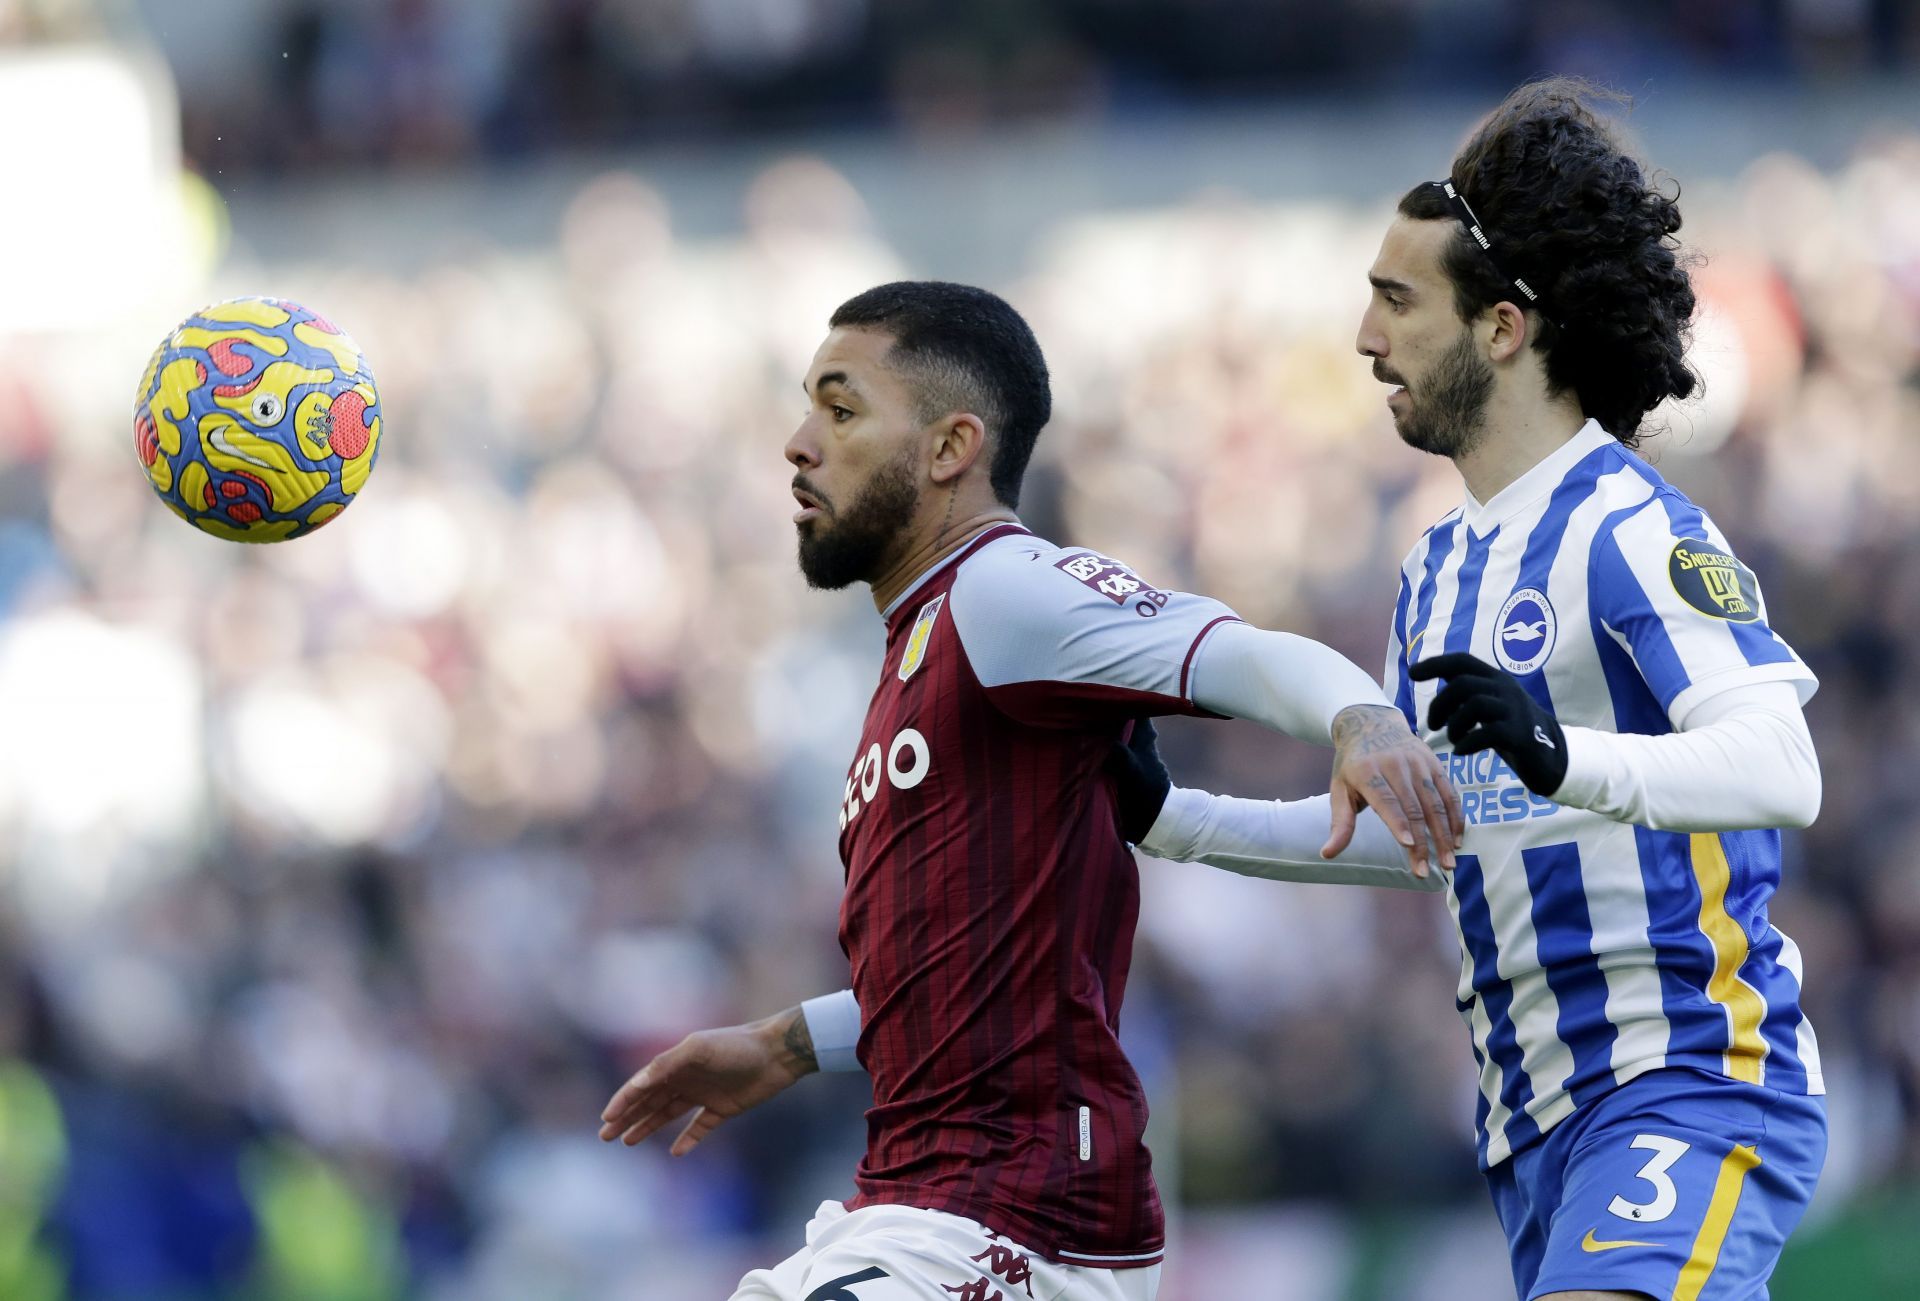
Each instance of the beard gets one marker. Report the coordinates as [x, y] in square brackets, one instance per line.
[1447, 414]
[859, 545]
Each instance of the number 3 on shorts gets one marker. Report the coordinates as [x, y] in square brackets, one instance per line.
[840, 1289]
[1665, 1152]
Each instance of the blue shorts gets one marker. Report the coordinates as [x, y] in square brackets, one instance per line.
[1678, 1184]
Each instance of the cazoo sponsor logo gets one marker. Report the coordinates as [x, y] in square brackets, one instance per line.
[904, 765]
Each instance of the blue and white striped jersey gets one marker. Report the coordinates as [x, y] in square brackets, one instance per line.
[1594, 950]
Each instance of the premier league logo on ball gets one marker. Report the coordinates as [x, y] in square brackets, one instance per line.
[1523, 635]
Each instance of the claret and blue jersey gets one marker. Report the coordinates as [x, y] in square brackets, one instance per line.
[990, 904]
[1594, 951]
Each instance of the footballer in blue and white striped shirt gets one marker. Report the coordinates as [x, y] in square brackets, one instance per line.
[1597, 670]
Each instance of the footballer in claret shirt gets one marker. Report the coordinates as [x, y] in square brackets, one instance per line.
[991, 898]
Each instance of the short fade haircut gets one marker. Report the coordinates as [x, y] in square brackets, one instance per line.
[1568, 210]
[964, 349]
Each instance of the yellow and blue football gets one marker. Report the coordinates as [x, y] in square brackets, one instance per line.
[257, 420]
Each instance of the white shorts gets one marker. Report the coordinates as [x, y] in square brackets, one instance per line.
[903, 1253]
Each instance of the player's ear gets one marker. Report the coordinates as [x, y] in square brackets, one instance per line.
[958, 442]
[1507, 332]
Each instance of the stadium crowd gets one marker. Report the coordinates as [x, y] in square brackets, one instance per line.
[280, 87]
[340, 881]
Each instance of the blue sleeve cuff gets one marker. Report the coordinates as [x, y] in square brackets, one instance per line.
[833, 1022]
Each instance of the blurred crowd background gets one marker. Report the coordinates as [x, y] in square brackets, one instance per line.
[341, 881]
[406, 80]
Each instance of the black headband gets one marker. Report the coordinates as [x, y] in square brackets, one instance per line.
[1464, 212]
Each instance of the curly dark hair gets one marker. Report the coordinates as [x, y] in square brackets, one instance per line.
[964, 349]
[1569, 211]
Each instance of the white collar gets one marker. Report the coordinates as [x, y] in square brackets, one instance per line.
[952, 557]
[1542, 478]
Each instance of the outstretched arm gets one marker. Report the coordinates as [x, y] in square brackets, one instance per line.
[1276, 839]
[716, 1074]
[1313, 692]
[1280, 840]
[1061, 638]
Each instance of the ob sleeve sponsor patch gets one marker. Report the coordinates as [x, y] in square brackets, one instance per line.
[1114, 581]
[1068, 637]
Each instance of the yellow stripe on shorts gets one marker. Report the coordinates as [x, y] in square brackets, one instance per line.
[1745, 1008]
[1713, 1230]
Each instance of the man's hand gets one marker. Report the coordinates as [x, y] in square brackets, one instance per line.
[1140, 781]
[1379, 762]
[1482, 708]
[717, 1073]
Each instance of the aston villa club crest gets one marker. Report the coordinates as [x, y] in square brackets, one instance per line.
[916, 651]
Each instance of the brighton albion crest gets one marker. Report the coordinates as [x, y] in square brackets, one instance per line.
[1523, 635]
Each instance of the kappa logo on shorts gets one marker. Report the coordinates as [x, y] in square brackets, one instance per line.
[974, 1291]
[1713, 582]
[1114, 581]
[1012, 1266]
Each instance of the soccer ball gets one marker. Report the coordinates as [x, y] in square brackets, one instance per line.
[257, 420]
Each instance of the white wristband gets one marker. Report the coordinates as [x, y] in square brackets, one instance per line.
[833, 1023]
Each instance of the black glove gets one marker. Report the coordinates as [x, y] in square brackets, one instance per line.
[1140, 781]
[1483, 708]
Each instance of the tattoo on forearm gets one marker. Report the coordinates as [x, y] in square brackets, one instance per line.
[798, 1040]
